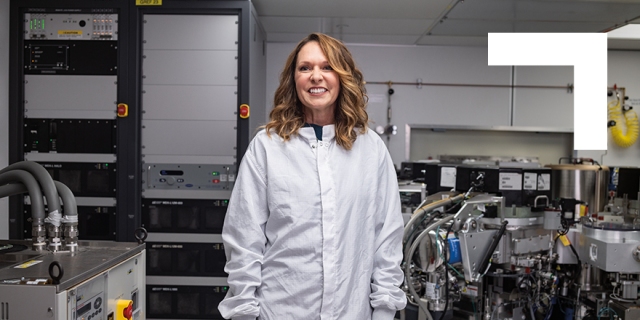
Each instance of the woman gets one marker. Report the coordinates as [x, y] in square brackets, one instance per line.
[313, 229]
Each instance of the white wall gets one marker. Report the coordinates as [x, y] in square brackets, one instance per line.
[429, 105]
[623, 70]
[449, 105]
[4, 109]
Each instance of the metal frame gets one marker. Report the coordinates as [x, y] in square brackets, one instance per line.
[126, 126]
[441, 128]
[128, 156]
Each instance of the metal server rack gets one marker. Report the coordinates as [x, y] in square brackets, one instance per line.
[198, 60]
[175, 153]
[69, 70]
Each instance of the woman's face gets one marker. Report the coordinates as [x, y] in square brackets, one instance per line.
[317, 84]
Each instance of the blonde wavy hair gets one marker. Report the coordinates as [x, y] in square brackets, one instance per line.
[287, 116]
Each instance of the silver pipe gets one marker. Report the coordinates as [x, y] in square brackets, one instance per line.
[37, 205]
[43, 177]
[412, 250]
[70, 218]
[422, 210]
[578, 305]
[568, 87]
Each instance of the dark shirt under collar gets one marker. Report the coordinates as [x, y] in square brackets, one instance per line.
[316, 128]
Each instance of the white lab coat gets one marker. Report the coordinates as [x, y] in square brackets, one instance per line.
[314, 231]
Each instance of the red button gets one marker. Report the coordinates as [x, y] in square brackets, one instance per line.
[128, 311]
[244, 111]
[123, 110]
[216, 181]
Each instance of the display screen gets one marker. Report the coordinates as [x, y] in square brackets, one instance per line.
[48, 57]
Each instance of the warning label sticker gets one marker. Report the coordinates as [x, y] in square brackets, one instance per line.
[69, 34]
[530, 181]
[510, 181]
[27, 264]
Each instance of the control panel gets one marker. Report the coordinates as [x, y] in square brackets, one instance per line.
[69, 136]
[57, 26]
[89, 300]
[188, 176]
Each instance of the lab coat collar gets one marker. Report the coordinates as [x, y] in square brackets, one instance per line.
[328, 133]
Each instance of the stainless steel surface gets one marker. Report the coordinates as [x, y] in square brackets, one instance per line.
[583, 182]
[519, 242]
[625, 311]
[93, 96]
[552, 220]
[494, 128]
[630, 289]
[618, 235]
[14, 258]
[409, 127]
[609, 250]
[514, 223]
[92, 281]
[565, 254]
[91, 258]
[531, 244]
[473, 245]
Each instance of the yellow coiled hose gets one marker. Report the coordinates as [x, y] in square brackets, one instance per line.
[624, 140]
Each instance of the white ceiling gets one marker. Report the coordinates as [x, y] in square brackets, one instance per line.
[441, 22]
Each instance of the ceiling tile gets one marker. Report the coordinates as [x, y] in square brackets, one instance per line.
[398, 9]
[465, 23]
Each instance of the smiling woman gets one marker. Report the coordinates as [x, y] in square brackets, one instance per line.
[317, 85]
[314, 228]
[321, 63]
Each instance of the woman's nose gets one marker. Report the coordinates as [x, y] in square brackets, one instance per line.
[316, 74]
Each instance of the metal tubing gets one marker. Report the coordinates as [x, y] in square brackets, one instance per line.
[70, 219]
[567, 87]
[407, 265]
[422, 210]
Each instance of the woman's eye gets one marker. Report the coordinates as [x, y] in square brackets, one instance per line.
[303, 68]
[327, 68]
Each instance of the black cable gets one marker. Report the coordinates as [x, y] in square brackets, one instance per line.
[565, 227]
[578, 258]
[456, 206]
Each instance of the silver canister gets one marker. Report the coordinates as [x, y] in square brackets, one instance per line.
[583, 182]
